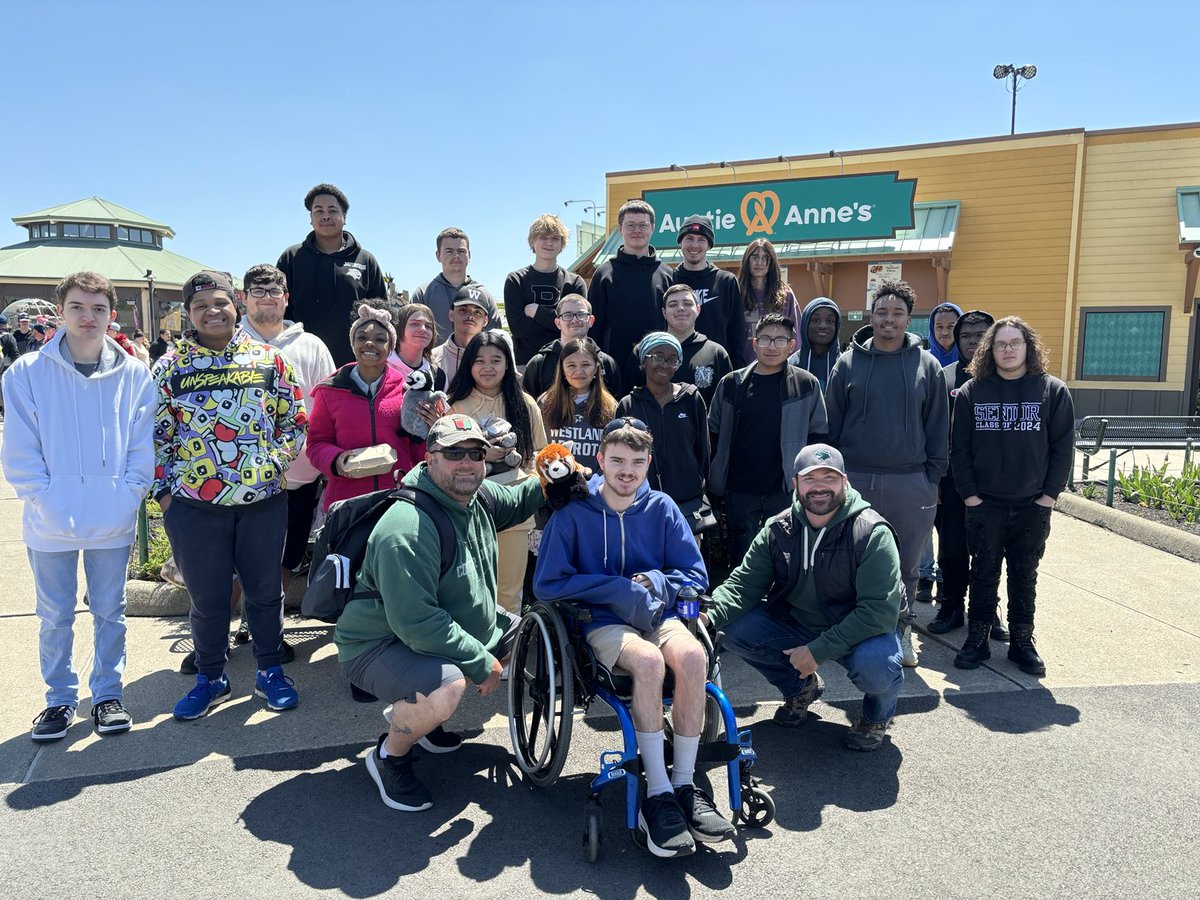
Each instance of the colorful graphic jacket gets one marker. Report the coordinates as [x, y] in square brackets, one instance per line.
[228, 424]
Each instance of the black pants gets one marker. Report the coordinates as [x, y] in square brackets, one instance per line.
[210, 544]
[746, 514]
[1014, 535]
[953, 558]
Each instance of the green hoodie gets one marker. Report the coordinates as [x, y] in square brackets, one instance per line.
[877, 582]
[453, 617]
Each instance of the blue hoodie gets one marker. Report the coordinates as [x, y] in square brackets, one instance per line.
[589, 554]
[819, 366]
[944, 357]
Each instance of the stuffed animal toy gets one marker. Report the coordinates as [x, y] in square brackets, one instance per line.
[418, 388]
[562, 477]
[499, 432]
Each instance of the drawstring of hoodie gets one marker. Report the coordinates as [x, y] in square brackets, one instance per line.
[809, 559]
[605, 511]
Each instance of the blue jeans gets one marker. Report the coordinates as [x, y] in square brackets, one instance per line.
[56, 584]
[928, 567]
[873, 665]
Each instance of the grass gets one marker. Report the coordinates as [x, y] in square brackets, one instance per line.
[159, 549]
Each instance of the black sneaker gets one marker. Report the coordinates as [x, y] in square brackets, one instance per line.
[188, 664]
[397, 783]
[704, 822]
[794, 711]
[440, 741]
[947, 619]
[242, 635]
[662, 823]
[925, 590]
[52, 723]
[111, 717]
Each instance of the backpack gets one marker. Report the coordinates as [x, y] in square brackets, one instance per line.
[341, 544]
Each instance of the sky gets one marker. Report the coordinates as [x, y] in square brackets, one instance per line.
[217, 118]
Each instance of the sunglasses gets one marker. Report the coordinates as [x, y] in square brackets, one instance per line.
[625, 422]
[456, 454]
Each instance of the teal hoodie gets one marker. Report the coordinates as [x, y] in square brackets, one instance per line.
[451, 616]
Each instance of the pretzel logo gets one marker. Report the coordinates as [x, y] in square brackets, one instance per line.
[761, 220]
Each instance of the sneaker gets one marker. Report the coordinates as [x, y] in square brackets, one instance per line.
[398, 785]
[909, 655]
[287, 653]
[704, 822]
[662, 823]
[795, 708]
[867, 736]
[52, 723]
[925, 590]
[111, 717]
[188, 665]
[204, 696]
[947, 619]
[440, 741]
[242, 635]
[276, 688]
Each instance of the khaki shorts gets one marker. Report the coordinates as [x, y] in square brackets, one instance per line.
[608, 641]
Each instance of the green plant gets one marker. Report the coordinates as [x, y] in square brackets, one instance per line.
[158, 552]
[1091, 490]
[1177, 495]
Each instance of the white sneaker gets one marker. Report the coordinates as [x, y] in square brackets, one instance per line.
[908, 654]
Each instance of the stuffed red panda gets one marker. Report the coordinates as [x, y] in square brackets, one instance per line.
[562, 478]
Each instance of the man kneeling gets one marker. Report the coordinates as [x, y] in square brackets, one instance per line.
[624, 554]
[829, 571]
[411, 635]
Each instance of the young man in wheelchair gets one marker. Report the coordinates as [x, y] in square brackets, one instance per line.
[624, 554]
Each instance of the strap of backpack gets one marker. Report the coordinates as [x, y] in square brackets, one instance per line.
[441, 520]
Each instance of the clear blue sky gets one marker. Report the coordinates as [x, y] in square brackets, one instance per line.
[218, 117]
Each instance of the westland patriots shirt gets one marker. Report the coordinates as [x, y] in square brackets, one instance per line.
[228, 423]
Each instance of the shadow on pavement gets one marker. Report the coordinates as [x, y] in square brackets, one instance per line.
[1016, 712]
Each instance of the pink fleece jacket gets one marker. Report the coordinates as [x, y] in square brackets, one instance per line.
[344, 418]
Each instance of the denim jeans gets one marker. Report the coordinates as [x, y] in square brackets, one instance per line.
[928, 567]
[1014, 535]
[873, 665]
[56, 584]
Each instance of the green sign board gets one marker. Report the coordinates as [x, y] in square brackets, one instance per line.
[836, 208]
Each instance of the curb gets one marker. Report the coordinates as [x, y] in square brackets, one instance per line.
[158, 599]
[1160, 537]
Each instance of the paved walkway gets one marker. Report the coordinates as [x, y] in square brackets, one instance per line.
[992, 783]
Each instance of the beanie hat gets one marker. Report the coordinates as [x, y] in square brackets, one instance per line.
[701, 225]
[658, 339]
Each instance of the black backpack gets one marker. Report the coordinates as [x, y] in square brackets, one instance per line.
[341, 545]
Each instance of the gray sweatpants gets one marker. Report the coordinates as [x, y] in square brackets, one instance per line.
[909, 503]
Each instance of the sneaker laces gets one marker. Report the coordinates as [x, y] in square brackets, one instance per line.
[52, 712]
[701, 802]
[107, 706]
[667, 810]
[277, 675]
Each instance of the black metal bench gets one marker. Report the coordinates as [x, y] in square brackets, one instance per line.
[1121, 434]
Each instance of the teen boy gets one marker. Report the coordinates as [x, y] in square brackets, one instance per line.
[77, 450]
[532, 293]
[230, 420]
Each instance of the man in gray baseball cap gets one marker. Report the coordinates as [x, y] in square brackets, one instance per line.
[829, 571]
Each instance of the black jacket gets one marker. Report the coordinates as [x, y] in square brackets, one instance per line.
[704, 364]
[528, 285]
[325, 288]
[626, 297]
[1012, 440]
[721, 316]
[28, 342]
[679, 461]
[540, 370]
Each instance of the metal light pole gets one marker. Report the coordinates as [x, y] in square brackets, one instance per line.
[591, 205]
[1014, 72]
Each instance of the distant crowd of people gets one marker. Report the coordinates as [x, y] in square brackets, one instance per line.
[729, 433]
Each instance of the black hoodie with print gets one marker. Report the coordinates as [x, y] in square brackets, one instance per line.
[721, 316]
[626, 297]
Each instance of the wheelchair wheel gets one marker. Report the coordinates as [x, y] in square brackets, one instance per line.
[758, 808]
[593, 820]
[713, 723]
[541, 697]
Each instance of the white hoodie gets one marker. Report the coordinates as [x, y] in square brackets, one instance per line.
[313, 363]
[79, 451]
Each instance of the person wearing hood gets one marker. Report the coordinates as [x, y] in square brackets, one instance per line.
[821, 582]
[717, 293]
[573, 316]
[624, 554]
[817, 340]
[454, 253]
[889, 416]
[329, 273]
[626, 291]
[78, 452]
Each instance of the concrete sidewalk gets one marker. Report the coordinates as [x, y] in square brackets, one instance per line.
[1084, 781]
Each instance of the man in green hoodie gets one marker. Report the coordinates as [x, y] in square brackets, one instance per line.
[413, 636]
[821, 582]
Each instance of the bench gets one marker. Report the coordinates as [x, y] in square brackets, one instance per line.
[1121, 434]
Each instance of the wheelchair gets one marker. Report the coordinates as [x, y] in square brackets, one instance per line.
[552, 670]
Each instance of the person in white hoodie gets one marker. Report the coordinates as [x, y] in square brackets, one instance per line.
[78, 450]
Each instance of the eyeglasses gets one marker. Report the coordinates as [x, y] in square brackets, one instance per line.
[574, 316]
[456, 454]
[1009, 345]
[264, 292]
[637, 226]
[759, 258]
[657, 359]
[766, 342]
[624, 422]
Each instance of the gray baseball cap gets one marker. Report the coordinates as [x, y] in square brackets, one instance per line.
[818, 456]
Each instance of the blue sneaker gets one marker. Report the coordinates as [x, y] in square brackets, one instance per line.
[276, 688]
[204, 696]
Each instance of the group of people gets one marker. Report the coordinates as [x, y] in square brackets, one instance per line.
[693, 396]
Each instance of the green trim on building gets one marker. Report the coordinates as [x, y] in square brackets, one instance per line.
[94, 210]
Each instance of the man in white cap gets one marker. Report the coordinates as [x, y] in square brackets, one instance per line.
[829, 571]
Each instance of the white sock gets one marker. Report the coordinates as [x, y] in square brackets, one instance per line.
[650, 745]
[684, 766]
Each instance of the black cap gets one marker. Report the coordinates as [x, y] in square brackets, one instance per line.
[208, 280]
[697, 225]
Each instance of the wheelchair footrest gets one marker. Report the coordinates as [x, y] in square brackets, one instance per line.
[718, 752]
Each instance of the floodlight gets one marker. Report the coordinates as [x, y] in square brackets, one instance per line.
[1002, 71]
[1028, 72]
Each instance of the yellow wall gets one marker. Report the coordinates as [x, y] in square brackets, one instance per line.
[1129, 235]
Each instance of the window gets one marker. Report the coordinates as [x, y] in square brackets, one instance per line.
[122, 233]
[87, 230]
[1123, 344]
[104, 232]
[70, 229]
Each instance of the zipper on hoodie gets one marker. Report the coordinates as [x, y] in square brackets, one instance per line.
[371, 407]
